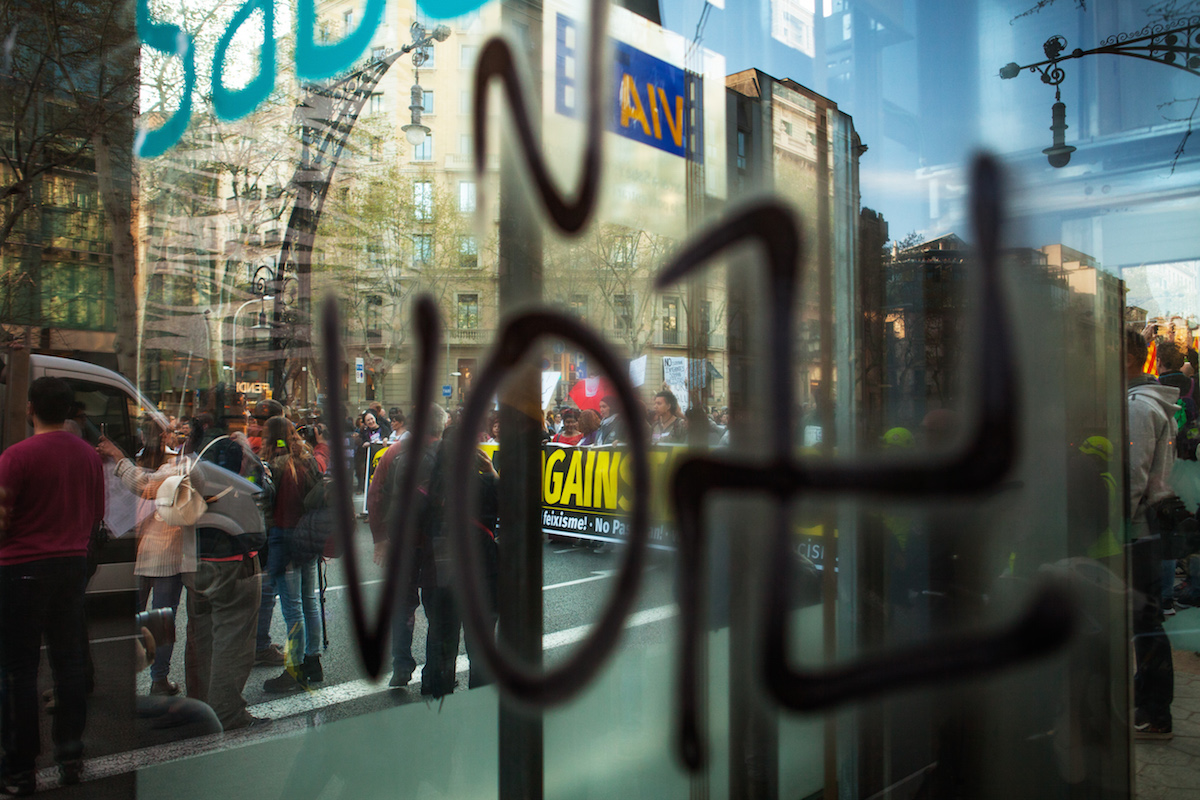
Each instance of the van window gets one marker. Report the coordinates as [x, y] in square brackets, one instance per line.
[103, 411]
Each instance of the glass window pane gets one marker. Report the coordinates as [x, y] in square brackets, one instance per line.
[180, 232]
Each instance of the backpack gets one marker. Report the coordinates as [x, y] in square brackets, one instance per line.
[1170, 519]
[1187, 421]
[316, 536]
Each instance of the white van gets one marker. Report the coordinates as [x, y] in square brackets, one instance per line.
[112, 407]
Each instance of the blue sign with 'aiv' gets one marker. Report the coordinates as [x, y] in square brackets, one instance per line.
[648, 105]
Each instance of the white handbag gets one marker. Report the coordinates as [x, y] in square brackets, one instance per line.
[177, 502]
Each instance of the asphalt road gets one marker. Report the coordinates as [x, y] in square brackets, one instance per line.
[576, 582]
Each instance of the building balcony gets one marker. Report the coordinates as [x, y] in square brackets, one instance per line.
[475, 336]
[714, 341]
[467, 161]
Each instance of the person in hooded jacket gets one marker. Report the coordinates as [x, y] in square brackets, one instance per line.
[1152, 428]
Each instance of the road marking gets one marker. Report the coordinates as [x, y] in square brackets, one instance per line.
[571, 635]
[344, 585]
[335, 695]
[114, 639]
[597, 575]
[128, 638]
[570, 550]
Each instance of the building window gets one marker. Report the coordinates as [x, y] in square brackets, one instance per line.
[422, 249]
[465, 141]
[378, 53]
[428, 53]
[577, 307]
[469, 22]
[377, 103]
[741, 149]
[375, 256]
[427, 101]
[468, 312]
[468, 252]
[623, 311]
[347, 22]
[623, 249]
[423, 201]
[670, 320]
[466, 56]
[787, 128]
[464, 102]
[466, 196]
[374, 319]
[424, 151]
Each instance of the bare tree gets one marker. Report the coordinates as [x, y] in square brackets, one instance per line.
[68, 72]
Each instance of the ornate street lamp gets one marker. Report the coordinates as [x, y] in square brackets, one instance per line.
[415, 131]
[1177, 47]
[327, 114]
[271, 283]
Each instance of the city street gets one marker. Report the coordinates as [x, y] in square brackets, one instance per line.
[576, 585]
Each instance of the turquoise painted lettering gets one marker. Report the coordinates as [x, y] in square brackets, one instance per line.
[234, 104]
[314, 61]
[449, 9]
[172, 40]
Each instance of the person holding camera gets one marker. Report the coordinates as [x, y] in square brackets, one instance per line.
[164, 551]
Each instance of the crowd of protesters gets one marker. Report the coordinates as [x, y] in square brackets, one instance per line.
[235, 572]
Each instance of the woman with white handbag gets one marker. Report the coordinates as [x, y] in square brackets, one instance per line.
[165, 550]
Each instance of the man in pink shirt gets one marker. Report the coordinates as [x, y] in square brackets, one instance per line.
[54, 497]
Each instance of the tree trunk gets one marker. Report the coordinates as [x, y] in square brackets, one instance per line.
[20, 205]
[117, 199]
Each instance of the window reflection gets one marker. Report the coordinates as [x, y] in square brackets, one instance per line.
[199, 269]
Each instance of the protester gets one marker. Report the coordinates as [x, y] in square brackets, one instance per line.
[418, 587]
[438, 677]
[54, 499]
[570, 428]
[295, 473]
[399, 426]
[669, 425]
[611, 427]
[589, 427]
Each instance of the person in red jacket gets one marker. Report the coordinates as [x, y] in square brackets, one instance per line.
[54, 487]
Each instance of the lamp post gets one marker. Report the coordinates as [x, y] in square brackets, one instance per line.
[271, 282]
[233, 356]
[415, 131]
[1177, 47]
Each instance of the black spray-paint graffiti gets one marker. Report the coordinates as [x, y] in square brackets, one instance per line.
[1046, 626]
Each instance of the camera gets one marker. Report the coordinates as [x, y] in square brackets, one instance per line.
[161, 624]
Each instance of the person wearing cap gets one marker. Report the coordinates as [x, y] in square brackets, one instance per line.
[1092, 498]
[898, 439]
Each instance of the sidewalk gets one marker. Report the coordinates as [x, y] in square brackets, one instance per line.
[1171, 770]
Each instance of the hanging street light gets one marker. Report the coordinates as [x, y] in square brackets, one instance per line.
[415, 132]
[1177, 47]
[423, 39]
